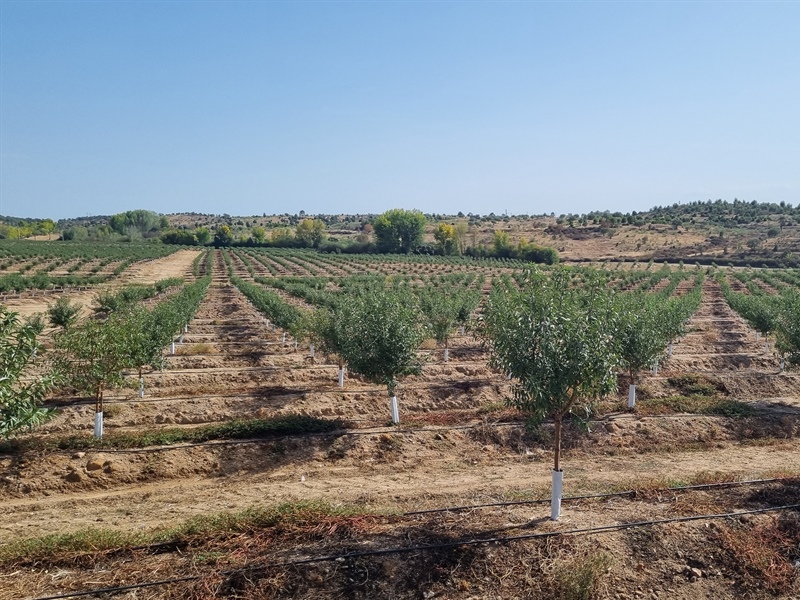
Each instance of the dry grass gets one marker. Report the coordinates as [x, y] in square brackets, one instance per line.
[764, 553]
[194, 349]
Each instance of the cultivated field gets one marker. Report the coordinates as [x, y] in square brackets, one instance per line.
[246, 471]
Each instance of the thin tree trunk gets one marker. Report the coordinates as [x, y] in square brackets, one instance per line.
[557, 461]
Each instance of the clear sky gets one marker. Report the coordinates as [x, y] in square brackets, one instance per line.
[531, 107]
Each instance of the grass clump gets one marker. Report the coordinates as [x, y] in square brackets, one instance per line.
[696, 385]
[59, 547]
[233, 430]
[581, 577]
[63, 545]
[287, 514]
[695, 404]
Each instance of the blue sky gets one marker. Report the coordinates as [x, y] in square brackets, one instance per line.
[531, 107]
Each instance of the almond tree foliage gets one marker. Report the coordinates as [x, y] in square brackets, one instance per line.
[760, 312]
[639, 334]
[444, 309]
[20, 396]
[379, 334]
[778, 314]
[153, 330]
[555, 341]
[469, 303]
[91, 356]
[268, 303]
[788, 326]
[325, 331]
[63, 313]
[303, 327]
[645, 324]
[108, 301]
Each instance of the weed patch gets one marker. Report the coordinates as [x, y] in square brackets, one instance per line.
[233, 430]
[763, 554]
[698, 405]
[696, 385]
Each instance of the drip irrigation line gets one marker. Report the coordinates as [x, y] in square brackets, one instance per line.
[178, 543]
[264, 440]
[680, 488]
[428, 548]
[356, 432]
[265, 393]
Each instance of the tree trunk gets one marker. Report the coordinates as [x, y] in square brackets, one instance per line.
[557, 442]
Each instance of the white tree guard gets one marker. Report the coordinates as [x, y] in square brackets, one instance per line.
[555, 502]
[98, 425]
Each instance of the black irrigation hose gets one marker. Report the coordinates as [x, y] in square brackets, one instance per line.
[473, 384]
[429, 547]
[680, 488]
[355, 432]
[178, 544]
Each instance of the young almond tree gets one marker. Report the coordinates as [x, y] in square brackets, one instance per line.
[379, 334]
[642, 333]
[788, 327]
[556, 342]
[91, 357]
[20, 395]
[441, 311]
[323, 325]
[63, 313]
[470, 300]
[302, 330]
[147, 337]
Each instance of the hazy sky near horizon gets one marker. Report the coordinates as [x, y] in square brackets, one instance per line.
[530, 107]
